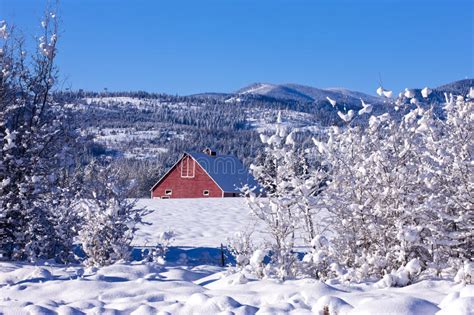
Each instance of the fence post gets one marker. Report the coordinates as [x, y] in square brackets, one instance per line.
[222, 256]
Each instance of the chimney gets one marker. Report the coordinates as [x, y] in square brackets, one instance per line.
[209, 151]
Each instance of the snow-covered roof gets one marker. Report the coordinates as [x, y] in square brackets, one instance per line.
[226, 170]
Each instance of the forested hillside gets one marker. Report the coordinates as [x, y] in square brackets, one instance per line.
[145, 133]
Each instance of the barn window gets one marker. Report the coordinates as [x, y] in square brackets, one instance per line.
[205, 192]
[168, 192]
[165, 197]
[188, 167]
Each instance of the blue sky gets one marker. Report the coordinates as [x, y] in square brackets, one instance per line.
[185, 47]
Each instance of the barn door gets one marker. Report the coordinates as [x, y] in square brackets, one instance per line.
[188, 167]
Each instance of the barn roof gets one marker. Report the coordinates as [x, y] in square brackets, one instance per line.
[226, 170]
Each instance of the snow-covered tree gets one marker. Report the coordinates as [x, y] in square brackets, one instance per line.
[37, 150]
[109, 219]
[277, 209]
[308, 183]
[373, 194]
[400, 191]
[449, 183]
[288, 205]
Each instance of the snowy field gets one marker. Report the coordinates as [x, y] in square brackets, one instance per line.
[196, 222]
[199, 222]
[194, 286]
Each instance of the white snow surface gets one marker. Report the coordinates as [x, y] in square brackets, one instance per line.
[203, 222]
[200, 222]
[261, 88]
[181, 287]
[139, 288]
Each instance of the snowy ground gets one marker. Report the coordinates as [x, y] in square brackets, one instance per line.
[200, 286]
[196, 222]
[199, 222]
[145, 289]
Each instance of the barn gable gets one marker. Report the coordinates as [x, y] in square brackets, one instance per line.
[186, 179]
[198, 174]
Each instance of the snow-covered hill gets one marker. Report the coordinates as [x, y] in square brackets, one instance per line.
[302, 93]
[154, 129]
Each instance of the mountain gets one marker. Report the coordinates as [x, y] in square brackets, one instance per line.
[280, 92]
[346, 99]
[302, 93]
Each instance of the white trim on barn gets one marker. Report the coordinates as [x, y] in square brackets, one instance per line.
[193, 173]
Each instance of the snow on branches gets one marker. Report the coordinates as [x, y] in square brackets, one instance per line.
[402, 190]
[288, 204]
[397, 193]
[109, 218]
[36, 158]
[42, 158]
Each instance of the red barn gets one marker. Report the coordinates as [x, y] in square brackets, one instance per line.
[203, 175]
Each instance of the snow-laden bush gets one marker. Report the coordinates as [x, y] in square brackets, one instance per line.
[465, 274]
[373, 180]
[109, 219]
[401, 189]
[397, 192]
[257, 265]
[320, 262]
[277, 210]
[288, 201]
[249, 257]
[158, 252]
[404, 276]
[242, 247]
[448, 182]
